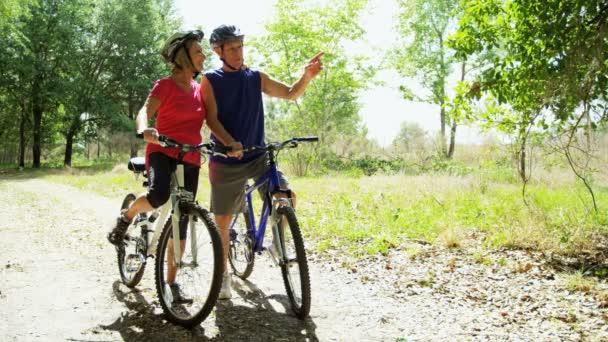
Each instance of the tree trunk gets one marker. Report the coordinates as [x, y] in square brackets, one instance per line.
[522, 160]
[22, 135]
[37, 112]
[589, 126]
[463, 71]
[98, 147]
[452, 139]
[133, 152]
[442, 96]
[69, 142]
[133, 142]
[442, 138]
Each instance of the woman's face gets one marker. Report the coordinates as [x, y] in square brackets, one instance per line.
[197, 56]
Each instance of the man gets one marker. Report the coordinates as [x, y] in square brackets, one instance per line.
[235, 116]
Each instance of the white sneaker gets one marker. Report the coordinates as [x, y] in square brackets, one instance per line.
[225, 291]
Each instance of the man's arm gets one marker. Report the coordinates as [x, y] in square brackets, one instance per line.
[272, 87]
[213, 122]
[145, 114]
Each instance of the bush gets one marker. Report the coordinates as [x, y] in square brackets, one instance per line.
[367, 165]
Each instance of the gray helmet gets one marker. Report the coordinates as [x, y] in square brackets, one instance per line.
[177, 41]
[225, 33]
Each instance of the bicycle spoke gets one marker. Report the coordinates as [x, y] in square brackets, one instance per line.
[198, 280]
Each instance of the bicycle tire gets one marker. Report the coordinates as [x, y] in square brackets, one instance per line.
[130, 280]
[300, 305]
[208, 296]
[241, 249]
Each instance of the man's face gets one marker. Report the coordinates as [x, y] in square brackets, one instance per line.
[232, 53]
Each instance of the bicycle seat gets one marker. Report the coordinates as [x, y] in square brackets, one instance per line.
[137, 164]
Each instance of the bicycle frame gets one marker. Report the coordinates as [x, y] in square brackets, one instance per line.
[271, 179]
[177, 193]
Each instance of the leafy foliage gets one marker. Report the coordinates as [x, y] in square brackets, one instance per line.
[329, 106]
[421, 54]
[547, 69]
[79, 67]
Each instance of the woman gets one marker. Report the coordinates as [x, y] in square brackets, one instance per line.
[180, 115]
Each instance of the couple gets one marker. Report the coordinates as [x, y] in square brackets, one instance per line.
[230, 100]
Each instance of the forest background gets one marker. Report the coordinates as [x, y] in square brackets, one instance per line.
[531, 76]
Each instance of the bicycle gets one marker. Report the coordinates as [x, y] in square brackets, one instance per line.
[288, 245]
[200, 265]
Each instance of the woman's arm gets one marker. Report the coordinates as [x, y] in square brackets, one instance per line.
[145, 114]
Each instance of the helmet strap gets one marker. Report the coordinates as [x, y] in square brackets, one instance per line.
[226, 63]
[183, 46]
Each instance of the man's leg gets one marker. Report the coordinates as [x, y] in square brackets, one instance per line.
[171, 269]
[223, 224]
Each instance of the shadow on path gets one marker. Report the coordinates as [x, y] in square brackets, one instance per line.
[258, 319]
[252, 317]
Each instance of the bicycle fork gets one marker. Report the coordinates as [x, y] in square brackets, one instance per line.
[280, 258]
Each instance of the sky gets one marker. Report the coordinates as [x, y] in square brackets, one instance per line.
[383, 110]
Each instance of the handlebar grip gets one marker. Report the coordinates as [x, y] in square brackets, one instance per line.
[222, 148]
[312, 138]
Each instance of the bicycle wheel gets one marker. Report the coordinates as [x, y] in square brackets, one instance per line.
[241, 254]
[131, 256]
[294, 265]
[199, 275]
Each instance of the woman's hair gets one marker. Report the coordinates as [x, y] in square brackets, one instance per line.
[182, 61]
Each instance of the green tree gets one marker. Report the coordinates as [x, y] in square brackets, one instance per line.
[50, 34]
[15, 89]
[410, 137]
[118, 62]
[421, 53]
[549, 70]
[330, 105]
[138, 29]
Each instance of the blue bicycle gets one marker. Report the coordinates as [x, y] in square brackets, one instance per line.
[287, 248]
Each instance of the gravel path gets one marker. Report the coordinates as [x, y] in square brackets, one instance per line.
[60, 282]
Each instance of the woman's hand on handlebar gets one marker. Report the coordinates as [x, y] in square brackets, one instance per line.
[151, 135]
[236, 151]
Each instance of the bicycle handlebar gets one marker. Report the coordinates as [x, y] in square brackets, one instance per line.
[290, 143]
[207, 148]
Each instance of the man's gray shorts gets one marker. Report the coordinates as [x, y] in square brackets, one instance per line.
[228, 183]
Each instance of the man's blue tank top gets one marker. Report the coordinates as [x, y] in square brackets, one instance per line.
[239, 108]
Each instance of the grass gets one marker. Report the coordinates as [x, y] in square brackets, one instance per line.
[370, 215]
[577, 282]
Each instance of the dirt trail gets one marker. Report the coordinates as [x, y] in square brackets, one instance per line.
[60, 282]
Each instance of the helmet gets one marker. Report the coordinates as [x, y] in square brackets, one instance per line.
[225, 33]
[176, 41]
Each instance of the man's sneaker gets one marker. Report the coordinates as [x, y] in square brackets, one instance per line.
[178, 296]
[225, 292]
[118, 233]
